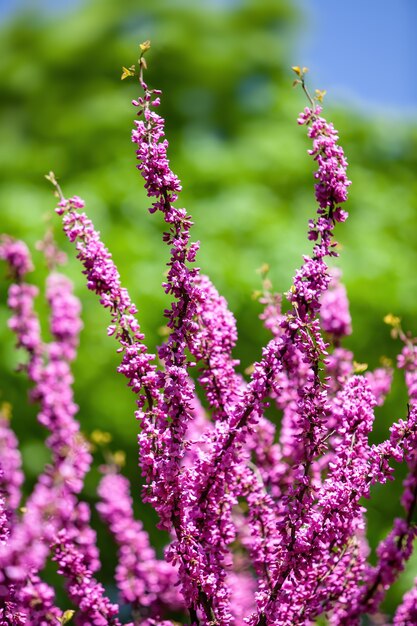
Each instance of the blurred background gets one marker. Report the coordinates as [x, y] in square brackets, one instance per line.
[224, 68]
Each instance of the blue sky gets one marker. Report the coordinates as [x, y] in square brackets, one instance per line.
[363, 52]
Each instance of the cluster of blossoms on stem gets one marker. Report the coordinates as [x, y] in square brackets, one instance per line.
[265, 517]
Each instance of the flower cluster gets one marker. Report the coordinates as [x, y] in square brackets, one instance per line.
[265, 516]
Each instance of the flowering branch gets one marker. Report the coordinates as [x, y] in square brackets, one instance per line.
[266, 521]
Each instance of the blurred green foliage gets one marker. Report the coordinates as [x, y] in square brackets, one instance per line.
[224, 68]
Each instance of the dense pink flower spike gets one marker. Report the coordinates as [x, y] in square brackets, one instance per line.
[17, 256]
[52, 504]
[4, 522]
[143, 580]
[395, 550]
[334, 312]
[212, 345]
[11, 476]
[161, 448]
[38, 600]
[83, 589]
[11, 615]
[380, 381]
[200, 555]
[406, 613]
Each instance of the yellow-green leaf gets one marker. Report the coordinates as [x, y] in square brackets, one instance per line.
[145, 46]
[6, 410]
[66, 616]
[359, 368]
[392, 320]
[119, 458]
[128, 71]
[386, 362]
[264, 269]
[100, 438]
